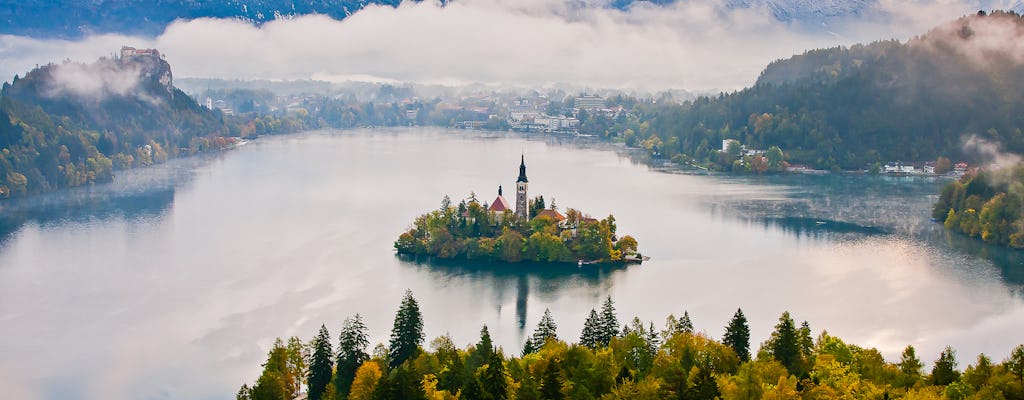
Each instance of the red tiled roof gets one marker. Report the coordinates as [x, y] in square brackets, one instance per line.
[549, 213]
[500, 204]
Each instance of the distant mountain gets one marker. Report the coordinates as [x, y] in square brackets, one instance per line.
[72, 124]
[848, 107]
[76, 18]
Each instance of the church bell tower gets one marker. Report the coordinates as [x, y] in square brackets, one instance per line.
[522, 205]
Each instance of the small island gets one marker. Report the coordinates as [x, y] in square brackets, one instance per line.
[531, 232]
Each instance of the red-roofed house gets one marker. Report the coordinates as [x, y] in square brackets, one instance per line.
[553, 214]
[499, 205]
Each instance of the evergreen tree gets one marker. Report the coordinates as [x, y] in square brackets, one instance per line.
[320, 365]
[591, 331]
[493, 380]
[244, 393]
[1015, 363]
[785, 344]
[608, 326]
[546, 330]
[737, 336]
[944, 372]
[407, 333]
[685, 325]
[352, 344]
[472, 389]
[806, 341]
[482, 352]
[551, 383]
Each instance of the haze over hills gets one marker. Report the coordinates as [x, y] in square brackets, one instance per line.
[72, 124]
[940, 94]
[75, 19]
[696, 45]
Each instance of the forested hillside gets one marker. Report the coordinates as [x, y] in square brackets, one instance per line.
[71, 124]
[985, 205]
[845, 108]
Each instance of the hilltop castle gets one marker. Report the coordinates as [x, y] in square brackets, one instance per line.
[522, 204]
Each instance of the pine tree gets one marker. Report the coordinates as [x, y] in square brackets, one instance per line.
[591, 331]
[482, 352]
[551, 382]
[785, 344]
[944, 372]
[546, 330]
[685, 325]
[320, 365]
[609, 323]
[806, 341]
[244, 393]
[737, 336]
[407, 333]
[493, 381]
[352, 344]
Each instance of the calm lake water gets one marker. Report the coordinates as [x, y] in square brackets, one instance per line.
[173, 281]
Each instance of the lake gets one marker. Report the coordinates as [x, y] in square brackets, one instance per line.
[173, 281]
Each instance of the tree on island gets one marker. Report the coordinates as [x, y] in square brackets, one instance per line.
[469, 231]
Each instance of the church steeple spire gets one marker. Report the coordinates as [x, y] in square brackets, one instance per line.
[522, 204]
[522, 169]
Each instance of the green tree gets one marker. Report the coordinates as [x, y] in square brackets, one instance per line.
[944, 372]
[551, 382]
[737, 336]
[407, 333]
[546, 330]
[685, 325]
[608, 325]
[352, 344]
[277, 379]
[785, 344]
[493, 379]
[909, 367]
[320, 365]
[1015, 363]
[591, 335]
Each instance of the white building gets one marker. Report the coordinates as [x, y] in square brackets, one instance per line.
[588, 103]
[725, 144]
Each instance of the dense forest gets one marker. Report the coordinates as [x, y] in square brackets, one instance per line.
[72, 124]
[985, 204]
[849, 107]
[612, 360]
[469, 231]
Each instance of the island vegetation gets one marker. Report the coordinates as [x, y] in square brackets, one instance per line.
[985, 204]
[612, 360]
[470, 231]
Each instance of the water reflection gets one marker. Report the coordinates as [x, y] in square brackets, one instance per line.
[141, 194]
[543, 280]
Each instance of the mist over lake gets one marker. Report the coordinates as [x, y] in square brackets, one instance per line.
[173, 281]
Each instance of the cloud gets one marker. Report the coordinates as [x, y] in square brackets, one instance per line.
[93, 80]
[691, 44]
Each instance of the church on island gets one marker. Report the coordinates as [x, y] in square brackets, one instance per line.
[500, 205]
[531, 231]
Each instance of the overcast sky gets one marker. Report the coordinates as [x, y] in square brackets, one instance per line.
[696, 45]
